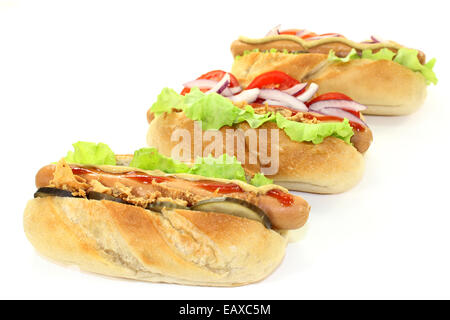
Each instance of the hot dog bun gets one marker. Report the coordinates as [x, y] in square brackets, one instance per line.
[332, 166]
[177, 246]
[385, 87]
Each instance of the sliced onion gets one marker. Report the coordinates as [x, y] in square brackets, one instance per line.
[274, 103]
[341, 104]
[327, 36]
[302, 33]
[376, 39]
[305, 96]
[226, 92]
[248, 96]
[336, 112]
[274, 31]
[235, 90]
[295, 89]
[221, 85]
[284, 98]
[201, 84]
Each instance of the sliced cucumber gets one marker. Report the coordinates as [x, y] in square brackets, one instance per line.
[159, 205]
[93, 195]
[52, 192]
[235, 207]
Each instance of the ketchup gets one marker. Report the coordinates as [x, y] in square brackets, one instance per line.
[138, 176]
[284, 198]
[222, 188]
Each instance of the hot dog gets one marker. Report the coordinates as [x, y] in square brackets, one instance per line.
[368, 71]
[274, 101]
[112, 215]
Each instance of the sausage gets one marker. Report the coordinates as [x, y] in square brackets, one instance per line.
[282, 217]
[341, 49]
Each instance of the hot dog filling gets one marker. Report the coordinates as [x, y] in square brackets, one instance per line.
[154, 192]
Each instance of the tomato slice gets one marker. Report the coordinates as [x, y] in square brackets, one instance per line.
[273, 80]
[334, 96]
[329, 96]
[290, 31]
[332, 33]
[215, 75]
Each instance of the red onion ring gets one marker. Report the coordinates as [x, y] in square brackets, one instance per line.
[235, 90]
[221, 85]
[284, 98]
[305, 96]
[248, 96]
[295, 89]
[336, 112]
[340, 104]
[274, 31]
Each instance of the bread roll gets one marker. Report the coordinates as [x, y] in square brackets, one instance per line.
[177, 246]
[385, 87]
[332, 166]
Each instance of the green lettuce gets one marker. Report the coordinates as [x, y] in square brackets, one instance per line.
[167, 100]
[91, 153]
[315, 133]
[151, 159]
[254, 120]
[214, 110]
[408, 58]
[352, 55]
[383, 54]
[405, 57]
[259, 180]
[225, 167]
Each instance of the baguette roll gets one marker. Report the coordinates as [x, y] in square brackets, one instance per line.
[174, 246]
[332, 166]
[385, 87]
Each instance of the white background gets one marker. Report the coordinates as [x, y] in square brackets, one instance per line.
[89, 70]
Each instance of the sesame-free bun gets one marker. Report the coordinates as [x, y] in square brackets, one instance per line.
[176, 246]
[385, 87]
[332, 166]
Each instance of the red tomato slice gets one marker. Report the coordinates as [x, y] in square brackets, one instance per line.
[334, 96]
[329, 96]
[215, 75]
[290, 31]
[332, 33]
[273, 80]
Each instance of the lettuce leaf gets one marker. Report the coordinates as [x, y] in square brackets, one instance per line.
[259, 180]
[224, 167]
[151, 159]
[408, 58]
[315, 133]
[167, 100]
[383, 54]
[254, 120]
[91, 153]
[352, 55]
[214, 110]
[405, 57]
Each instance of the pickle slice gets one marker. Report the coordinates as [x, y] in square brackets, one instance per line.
[159, 205]
[235, 207]
[52, 192]
[93, 195]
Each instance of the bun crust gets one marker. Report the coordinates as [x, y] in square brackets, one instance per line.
[332, 166]
[177, 246]
[385, 87]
